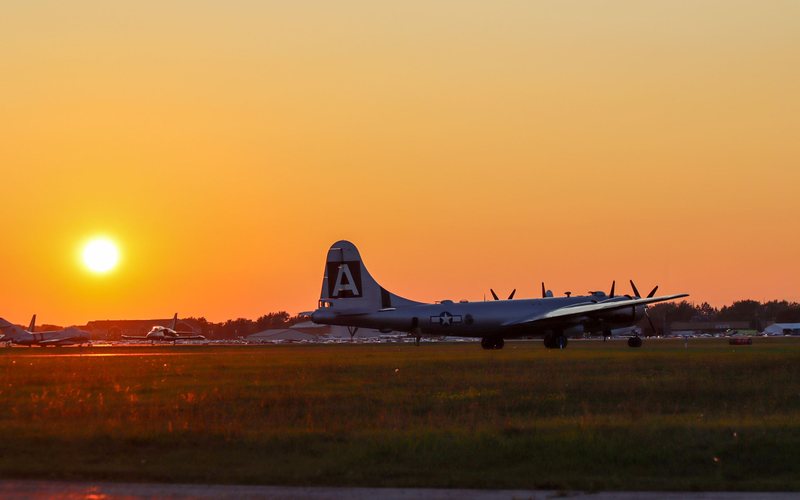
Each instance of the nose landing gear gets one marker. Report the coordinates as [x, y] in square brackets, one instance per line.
[635, 341]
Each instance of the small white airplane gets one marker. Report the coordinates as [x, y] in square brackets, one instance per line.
[163, 334]
[12, 334]
[351, 297]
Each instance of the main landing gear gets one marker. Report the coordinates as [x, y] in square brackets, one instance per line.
[416, 332]
[492, 342]
[635, 341]
[555, 341]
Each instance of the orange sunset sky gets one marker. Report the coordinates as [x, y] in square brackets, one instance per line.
[461, 145]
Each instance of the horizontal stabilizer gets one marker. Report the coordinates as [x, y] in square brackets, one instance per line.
[353, 311]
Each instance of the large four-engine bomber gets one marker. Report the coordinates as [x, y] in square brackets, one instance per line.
[351, 297]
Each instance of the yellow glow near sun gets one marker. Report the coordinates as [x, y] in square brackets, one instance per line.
[100, 255]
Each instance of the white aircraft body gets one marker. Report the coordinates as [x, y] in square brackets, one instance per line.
[163, 334]
[352, 298]
[12, 334]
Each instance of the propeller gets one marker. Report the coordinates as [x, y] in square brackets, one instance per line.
[638, 295]
[650, 320]
[511, 296]
[649, 295]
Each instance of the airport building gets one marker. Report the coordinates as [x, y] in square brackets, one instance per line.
[782, 329]
[312, 332]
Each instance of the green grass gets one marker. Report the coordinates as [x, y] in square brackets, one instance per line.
[594, 416]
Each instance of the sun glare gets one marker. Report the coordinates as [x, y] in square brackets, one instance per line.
[100, 255]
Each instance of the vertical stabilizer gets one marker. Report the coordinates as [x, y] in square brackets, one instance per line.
[174, 325]
[348, 286]
[10, 332]
[32, 326]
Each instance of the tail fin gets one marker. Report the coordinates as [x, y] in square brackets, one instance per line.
[32, 326]
[174, 322]
[347, 286]
[11, 332]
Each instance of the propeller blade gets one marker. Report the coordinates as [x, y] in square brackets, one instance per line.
[652, 292]
[512, 294]
[544, 293]
[494, 295]
[613, 284]
[650, 320]
[635, 290]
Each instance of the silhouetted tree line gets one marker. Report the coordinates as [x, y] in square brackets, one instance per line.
[242, 327]
[757, 314]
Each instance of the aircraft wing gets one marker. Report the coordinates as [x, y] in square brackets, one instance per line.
[190, 337]
[64, 341]
[134, 337]
[591, 308]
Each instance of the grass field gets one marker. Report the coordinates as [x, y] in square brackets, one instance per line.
[594, 416]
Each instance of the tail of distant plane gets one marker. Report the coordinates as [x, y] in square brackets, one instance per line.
[174, 324]
[11, 332]
[347, 286]
[32, 326]
[5, 329]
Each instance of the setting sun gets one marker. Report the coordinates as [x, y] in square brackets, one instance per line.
[100, 255]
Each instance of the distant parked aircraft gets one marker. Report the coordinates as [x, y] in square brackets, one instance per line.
[352, 298]
[12, 334]
[163, 334]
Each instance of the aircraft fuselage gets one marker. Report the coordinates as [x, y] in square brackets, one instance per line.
[482, 319]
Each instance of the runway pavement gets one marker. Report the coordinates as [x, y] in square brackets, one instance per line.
[15, 489]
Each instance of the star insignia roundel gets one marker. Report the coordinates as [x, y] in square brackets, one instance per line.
[445, 319]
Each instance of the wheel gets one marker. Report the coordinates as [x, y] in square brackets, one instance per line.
[635, 342]
[492, 342]
[550, 341]
[561, 341]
